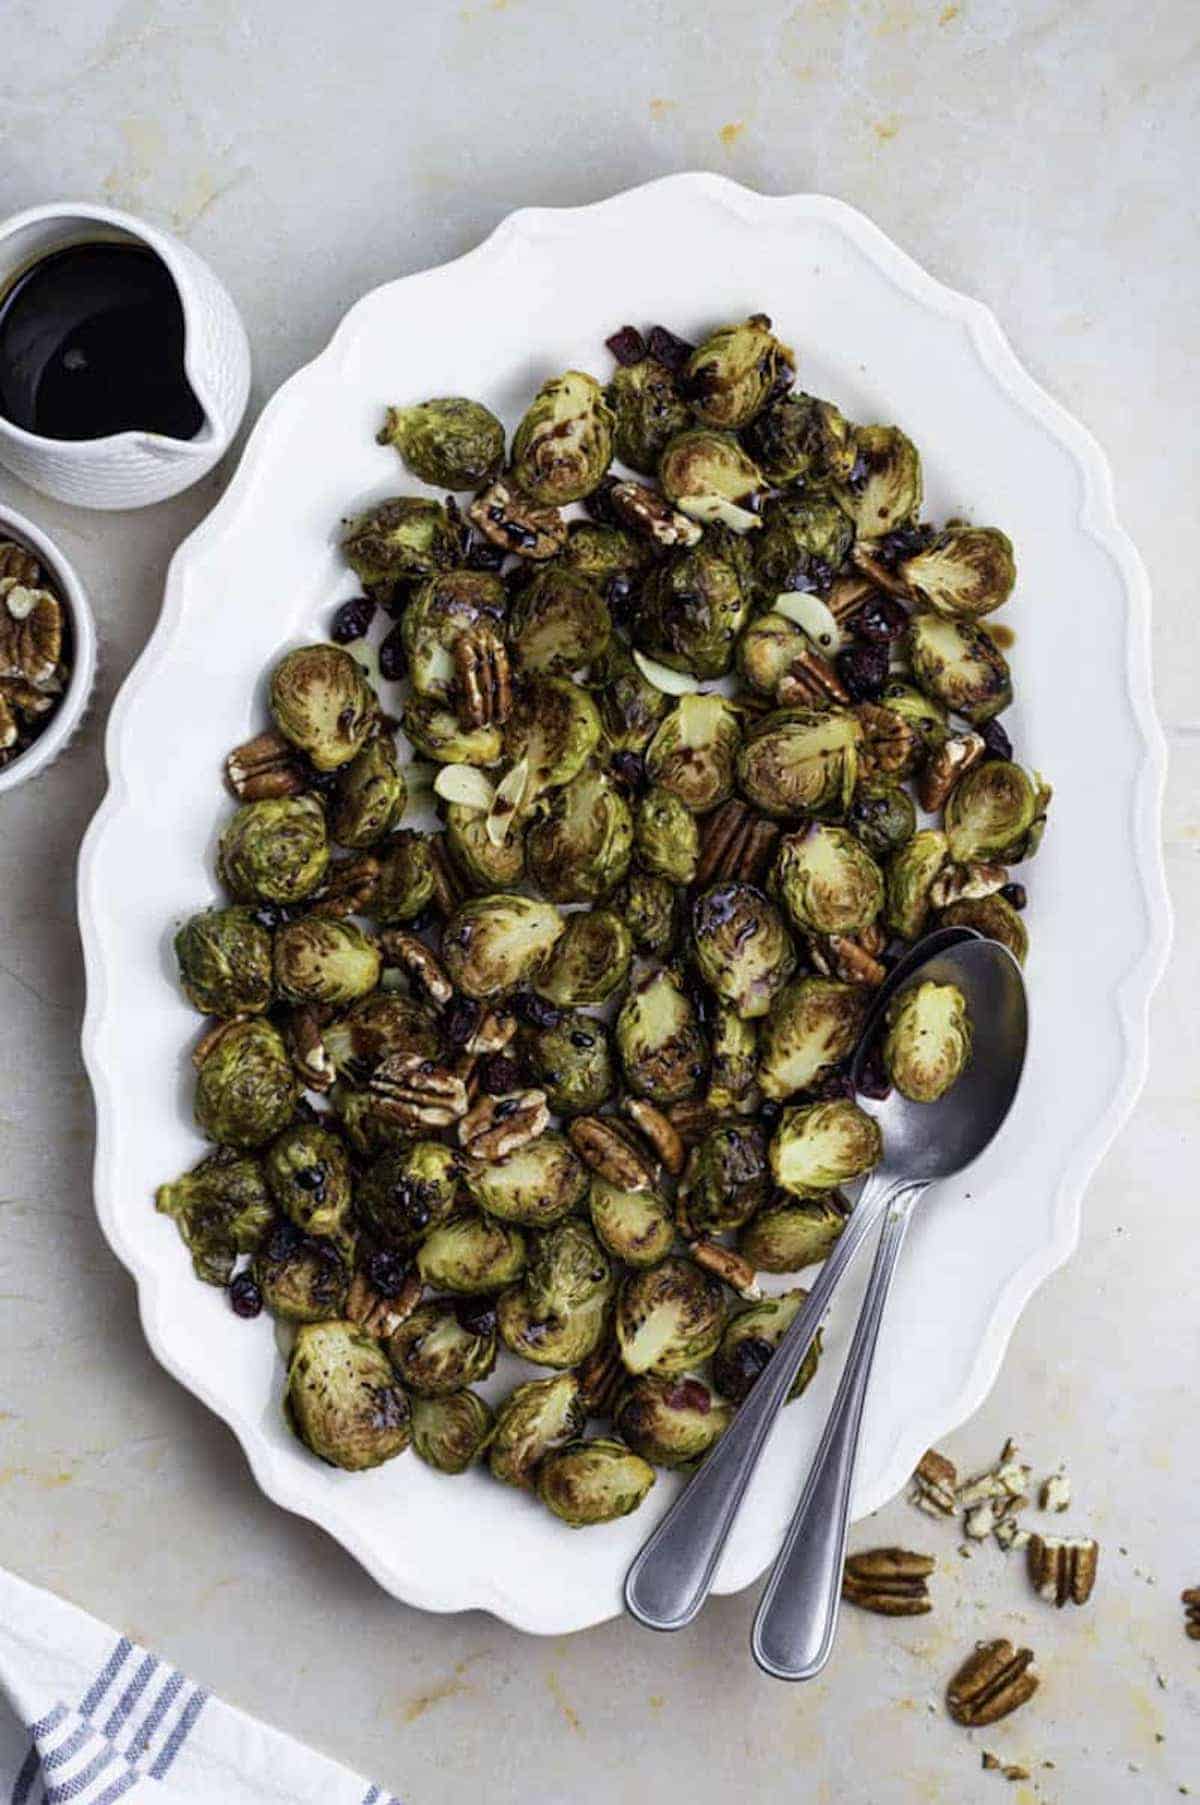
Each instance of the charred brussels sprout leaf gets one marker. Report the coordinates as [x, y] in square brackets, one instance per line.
[435, 733]
[376, 1028]
[820, 1146]
[787, 1236]
[805, 538]
[449, 1434]
[966, 572]
[925, 717]
[611, 557]
[320, 959]
[646, 903]
[448, 442]
[992, 917]
[750, 1339]
[884, 491]
[322, 702]
[670, 1422]
[800, 437]
[444, 607]
[555, 728]
[275, 850]
[436, 1352]
[564, 443]
[882, 818]
[694, 752]
[224, 960]
[630, 707]
[398, 542]
[996, 812]
[301, 1279]
[369, 796]
[635, 1226]
[734, 1051]
[406, 879]
[245, 1087]
[660, 1041]
[343, 1400]
[648, 409]
[828, 882]
[308, 1174]
[533, 1419]
[557, 1317]
[580, 848]
[736, 371]
[709, 477]
[928, 1040]
[800, 761]
[472, 1254]
[406, 1192]
[692, 609]
[726, 1179]
[559, 621]
[666, 837]
[960, 666]
[572, 1062]
[494, 944]
[910, 874]
[669, 1318]
[813, 1025]
[596, 1481]
[743, 950]
[221, 1208]
[590, 962]
[535, 1186]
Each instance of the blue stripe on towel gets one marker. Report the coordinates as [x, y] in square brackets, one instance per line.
[79, 1786]
[107, 1675]
[181, 1732]
[131, 1695]
[162, 1704]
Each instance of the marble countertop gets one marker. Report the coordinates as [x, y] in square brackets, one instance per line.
[1034, 154]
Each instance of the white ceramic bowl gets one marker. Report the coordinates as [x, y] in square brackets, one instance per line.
[887, 342]
[73, 706]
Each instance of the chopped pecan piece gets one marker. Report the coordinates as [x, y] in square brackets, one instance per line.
[1006, 1483]
[305, 1040]
[844, 956]
[494, 1127]
[960, 883]
[350, 886]
[449, 890]
[662, 1134]
[878, 574]
[600, 1377]
[19, 565]
[381, 1316]
[510, 519]
[1056, 1492]
[891, 1581]
[613, 1151]
[1191, 1604]
[847, 595]
[889, 742]
[266, 766]
[31, 632]
[422, 967]
[990, 1683]
[1063, 1567]
[934, 1484]
[726, 1264]
[943, 768]
[482, 677]
[692, 1119]
[416, 1093]
[810, 679]
[736, 845]
[1010, 1535]
[648, 512]
[492, 1032]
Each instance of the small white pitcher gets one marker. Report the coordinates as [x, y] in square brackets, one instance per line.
[132, 469]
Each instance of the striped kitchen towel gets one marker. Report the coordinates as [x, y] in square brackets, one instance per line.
[87, 1718]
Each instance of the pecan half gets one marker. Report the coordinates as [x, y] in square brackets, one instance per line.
[891, 1581]
[19, 565]
[844, 956]
[1191, 1603]
[422, 967]
[733, 1268]
[847, 595]
[692, 1119]
[933, 1484]
[889, 742]
[600, 1376]
[508, 518]
[878, 574]
[991, 1682]
[449, 890]
[494, 1127]
[649, 513]
[492, 1032]
[381, 1316]
[811, 679]
[304, 1037]
[662, 1135]
[266, 766]
[483, 679]
[943, 768]
[1063, 1567]
[957, 883]
[1010, 1535]
[31, 633]
[613, 1151]
[736, 845]
[416, 1093]
[350, 887]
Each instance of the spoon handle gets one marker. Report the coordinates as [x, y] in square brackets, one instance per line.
[673, 1574]
[797, 1616]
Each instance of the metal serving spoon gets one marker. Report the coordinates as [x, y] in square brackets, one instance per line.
[671, 1577]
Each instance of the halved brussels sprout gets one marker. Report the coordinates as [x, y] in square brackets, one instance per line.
[925, 717]
[449, 1434]
[733, 1071]
[694, 752]
[635, 1226]
[301, 1279]
[742, 947]
[572, 1062]
[813, 1024]
[407, 1191]
[435, 733]
[342, 1398]
[670, 1422]
[630, 707]
[448, 442]
[596, 1481]
[800, 436]
[828, 881]
[224, 960]
[564, 443]
[710, 478]
[369, 796]
[537, 1186]
[805, 540]
[613, 558]
[439, 1349]
[885, 489]
[692, 609]
[648, 905]
[444, 607]
[726, 1179]
[767, 650]
[801, 761]
[994, 918]
[996, 812]
[669, 1318]
[736, 371]
[819, 1146]
[649, 411]
[666, 838]
[399, 541]
[788, 1236]
[928, 1040]
[246, 1089]
[366, 1130]
[559, 621]
[374, 1029]
[221, 1208]
[751, 1337]
[568, 1270]
[882, 817]
[533, 1419]
[660, 1041]
[590, 962]
[546, 1338]
[910, 873]
[960, 665]
[321, 959]
[580, 847]
[967, 571]
[321, 702]
[484, 863]
[406, 879]
[494, 944]
[275, 850]
[308, 1174]
[554, 726]
[471, 1253]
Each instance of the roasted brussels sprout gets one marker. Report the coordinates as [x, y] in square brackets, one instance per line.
[308, 1174]
[224, 960]
[444, 607]
[366, 1130]
[572, 1062]
[694, 752]
[245, 1087]
[300, 1278]
[435, 733]
[805, 539]
[767, 650]
[493, 944]
[612, 558]
[813, 1024]
[275, 850]
[959, 665]
[322, 703]
[568, 1270]
[967, 571]
[732, 1072]
[800, 761]
[660, 1041]
[486, 864]
[819, 1146]
[580, 847]
[751, 1337]
[996, 812]
[532, 1420]
[726, 1179]
[648, 409]
[596, 1481]
[591, 960]
[925, 716]
[398, 542]
[555, 728]
[439, 1349]
[406, 879]
[910, 873]
[221, 1208]
[670, 1422]
[667, 841]
[471, 1253]
[544, 1337]
[928, 1040]
[647, 904]
[882, 817]
[343, 1400]
[692, 609]
[635, 1226]
[669, 1318]
[801, 437]
[630, 707]
[743, 949]
[369, 796]
[884, 491]
[320, 959]
[828, 881]
[407, 1191]
[994, 918]
[450, 1433]
[537, 1185]
[449, 442]
[374, 1029]
[709, 477]
[564, 443]
[736, 371]
[559, 621]
[788, 1236]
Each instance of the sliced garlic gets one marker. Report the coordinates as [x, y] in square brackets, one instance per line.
[812, 616]
[715, 510]
[671, 683]
[510, 792]
[466, 784]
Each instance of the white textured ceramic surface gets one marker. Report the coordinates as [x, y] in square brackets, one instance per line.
[539, 295]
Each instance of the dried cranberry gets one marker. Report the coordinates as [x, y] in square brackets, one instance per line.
[995, 739]
[873, 1080]
[392, 662]
[864, 671]
[627, 346]
[499, 1073]
[477, 1315]
[880, 620]
[245, 1296]
[461, 1020]
[769, 1112]
[628, 769]
[599, 504]
[1015, 894]
[668, 348]
[689, 1394]
[536, 1011]
[904, 542]
[482, 554]
[386, 1273]
[748, 1360]
[320, 781]
[352, 620]
[283, 1241]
